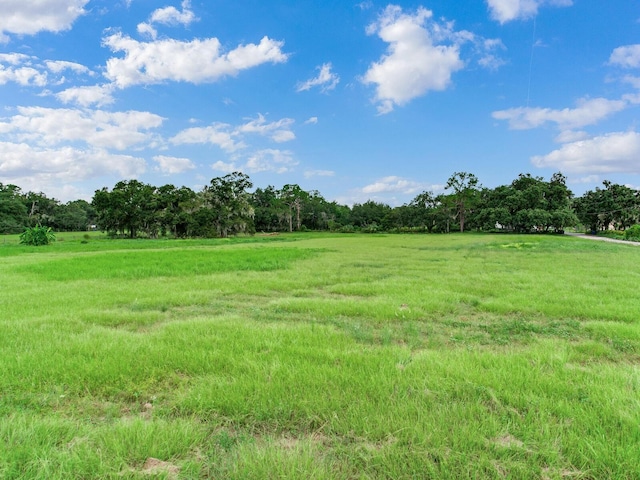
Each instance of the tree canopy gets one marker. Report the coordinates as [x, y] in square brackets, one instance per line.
[227, 206]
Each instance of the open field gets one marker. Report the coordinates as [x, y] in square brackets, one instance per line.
[321, 357]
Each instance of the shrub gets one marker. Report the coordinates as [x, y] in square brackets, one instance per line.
[632, 233]
[37, 236]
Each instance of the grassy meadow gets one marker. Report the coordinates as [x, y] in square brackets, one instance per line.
[318, 356]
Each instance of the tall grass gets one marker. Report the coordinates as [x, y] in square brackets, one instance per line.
[319, 356]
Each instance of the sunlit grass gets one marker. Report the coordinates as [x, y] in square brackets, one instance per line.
[461, 356]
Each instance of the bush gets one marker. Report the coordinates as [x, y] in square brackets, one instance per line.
[632, 233]
[347, 229]
[37, 236]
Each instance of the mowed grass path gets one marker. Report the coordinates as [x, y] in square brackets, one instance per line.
[320, 356]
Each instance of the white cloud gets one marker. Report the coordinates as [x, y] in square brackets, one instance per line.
[47, 127]
[627, 56]
[587, 112]
[97, 95]
[230, 139]
[25, 76]
[54, 169]
[588, 179]
[172, 16]
[414, 63]
[488, 59]
[14, 58]
[612, 153]
[311, 121]
[270, 160]
[567, 136]
[30, 17]
[198, 61]
[506, 10]
[319, 173]
[278, 131]
[59, 66]
[173, 165]
[326, 80]
[146, 29]
[220, 134]
[266, 160]
[21, 69]
[631, 80]
[394, 184]
[27, 70]
[167, 16]
[225, 167]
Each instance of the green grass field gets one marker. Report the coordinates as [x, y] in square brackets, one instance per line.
[320, 357]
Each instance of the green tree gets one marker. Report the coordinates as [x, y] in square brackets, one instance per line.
[175, 207]
[42, 210]
[294, 198]
[527, 204]
[615, 205]
[229, 204]
[317, 212]
[13, 212]
[465, 189]
[370, 215]
[131, 206]
[267, 209]
[423, 211]
[74, 216]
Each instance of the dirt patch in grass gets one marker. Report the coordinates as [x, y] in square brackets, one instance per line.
[508, 441]
[154, 466]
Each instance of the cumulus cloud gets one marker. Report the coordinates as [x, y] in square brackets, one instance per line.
[46, 127]
[627, 56]
[279, 131]
[220, 134]
[231, 139]
[632, 80]
[611, 153]
[589, 111]
[319, 173]
[266, 160]
[21, 69]
[393, 184]
[43, 168]
[173, 16]
[98, 95]
[391, 190]
[26, 70]
[197, 61]
[568, 136]
[168, 16]
[488, 58]
[14, 58]
[225, 167]
[270, 160]
[422, 56]
[29, 18]
[51, 149]
[173, 165]
[25, 76]
[58, 66]
[507, 10]
[147, 30]
[311, 121]
[326, 80]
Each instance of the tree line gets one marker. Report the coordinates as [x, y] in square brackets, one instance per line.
[228, 206]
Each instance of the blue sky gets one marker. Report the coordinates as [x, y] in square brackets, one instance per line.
[358, 100]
